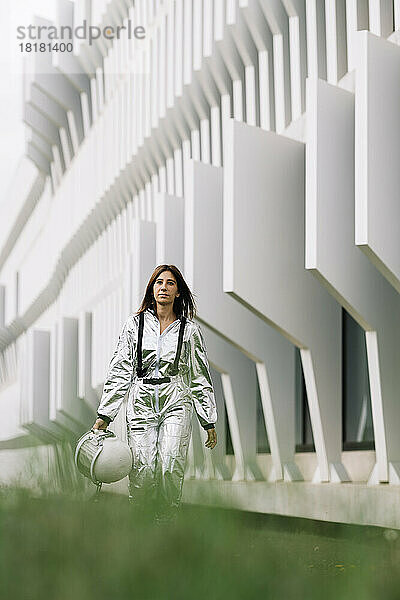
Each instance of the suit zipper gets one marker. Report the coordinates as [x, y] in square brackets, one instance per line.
[157, 363]
[157, 371]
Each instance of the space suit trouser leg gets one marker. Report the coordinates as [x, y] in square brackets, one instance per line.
[142, 483]
[172, 447]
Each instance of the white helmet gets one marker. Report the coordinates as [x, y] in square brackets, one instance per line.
[102, 457]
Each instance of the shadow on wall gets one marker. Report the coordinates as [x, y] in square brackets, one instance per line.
[53, 472]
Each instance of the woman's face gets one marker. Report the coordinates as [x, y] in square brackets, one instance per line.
[165, 288]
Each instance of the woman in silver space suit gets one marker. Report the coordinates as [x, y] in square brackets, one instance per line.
[161, 360]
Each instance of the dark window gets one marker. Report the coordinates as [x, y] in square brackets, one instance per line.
[358, 433]
[304, 434]
[228, 443]
[262, 437]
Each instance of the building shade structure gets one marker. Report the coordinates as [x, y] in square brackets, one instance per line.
[359, 287]
[254, 144]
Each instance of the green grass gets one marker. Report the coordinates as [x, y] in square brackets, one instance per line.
[64, 547]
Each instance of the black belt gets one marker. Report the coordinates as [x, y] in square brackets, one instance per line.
[156, 380]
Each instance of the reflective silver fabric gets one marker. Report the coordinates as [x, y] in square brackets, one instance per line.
[159, 417]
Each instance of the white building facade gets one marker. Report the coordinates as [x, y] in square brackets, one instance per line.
[255, 144]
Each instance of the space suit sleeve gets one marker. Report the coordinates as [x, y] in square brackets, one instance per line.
[200, 381]
[118, 377]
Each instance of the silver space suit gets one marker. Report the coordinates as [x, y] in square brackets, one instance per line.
[164, 386]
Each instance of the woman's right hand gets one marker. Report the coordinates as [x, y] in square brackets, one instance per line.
[100, 424]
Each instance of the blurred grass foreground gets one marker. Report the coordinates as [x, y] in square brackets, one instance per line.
[58, 544]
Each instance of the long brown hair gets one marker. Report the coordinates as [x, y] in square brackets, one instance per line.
[184, 306]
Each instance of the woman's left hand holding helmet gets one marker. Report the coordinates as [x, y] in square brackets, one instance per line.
[211, 439]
